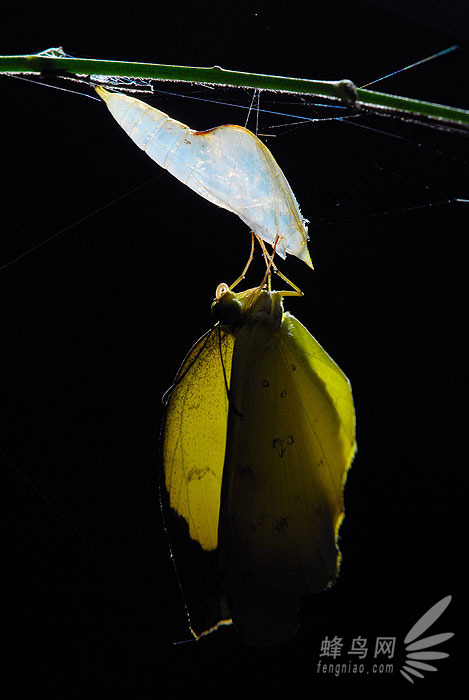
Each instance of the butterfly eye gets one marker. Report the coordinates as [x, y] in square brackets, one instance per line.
[226, 308]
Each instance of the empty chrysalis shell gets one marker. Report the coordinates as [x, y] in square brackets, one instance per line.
[227, 165]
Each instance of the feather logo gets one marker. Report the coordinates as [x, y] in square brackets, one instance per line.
[419, 651]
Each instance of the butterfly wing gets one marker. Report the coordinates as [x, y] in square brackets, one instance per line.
[290, 442]
[193, 441]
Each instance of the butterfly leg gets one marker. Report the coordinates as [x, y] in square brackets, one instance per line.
[269, 261]
[246, 267]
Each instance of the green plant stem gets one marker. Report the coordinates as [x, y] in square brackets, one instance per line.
[54, 60]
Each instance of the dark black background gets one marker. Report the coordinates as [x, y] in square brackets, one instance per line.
[95, 323]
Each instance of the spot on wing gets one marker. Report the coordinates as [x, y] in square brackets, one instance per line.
[281, 444]
[198, 473]
[282, 524]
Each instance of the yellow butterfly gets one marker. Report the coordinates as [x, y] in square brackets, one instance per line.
[258, 436]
